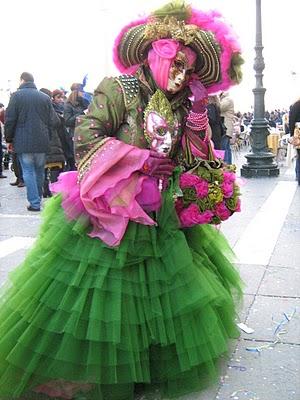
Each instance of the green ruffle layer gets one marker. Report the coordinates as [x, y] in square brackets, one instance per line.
[157, 310]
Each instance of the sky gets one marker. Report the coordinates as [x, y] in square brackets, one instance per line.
[59, 41]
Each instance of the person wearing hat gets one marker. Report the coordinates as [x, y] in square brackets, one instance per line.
[74, 106]
[118, 299]
[58, 100]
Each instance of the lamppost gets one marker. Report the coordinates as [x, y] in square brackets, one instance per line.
[260, 162]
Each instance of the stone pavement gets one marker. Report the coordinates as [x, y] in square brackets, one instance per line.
[266, 238]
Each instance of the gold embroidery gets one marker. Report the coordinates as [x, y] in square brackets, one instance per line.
[170, 27]
[85, 164]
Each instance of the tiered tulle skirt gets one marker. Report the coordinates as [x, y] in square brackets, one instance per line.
[156, 311]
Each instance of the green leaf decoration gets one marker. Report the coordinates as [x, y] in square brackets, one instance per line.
[176, 8]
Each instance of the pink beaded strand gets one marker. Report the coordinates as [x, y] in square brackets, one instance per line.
[197, 121]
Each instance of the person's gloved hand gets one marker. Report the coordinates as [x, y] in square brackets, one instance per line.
[199, 93]
[158, 165]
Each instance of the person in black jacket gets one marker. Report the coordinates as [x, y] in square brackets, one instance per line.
[215, 121]
[58, 100]
[55, 158]
[28, 123]
[294, 116]
[73, 108]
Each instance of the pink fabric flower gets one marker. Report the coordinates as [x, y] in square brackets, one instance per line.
[188, 180]
[227, 189]
[229, 177]
[166, 48]
[202, 188]
[149, 198]
[205, 217]
[160, 58]
[222, 211]
[67, 185]
[107, 194]
[192, 216]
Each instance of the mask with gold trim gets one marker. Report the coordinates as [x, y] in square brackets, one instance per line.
[180, 72]
[160, 126]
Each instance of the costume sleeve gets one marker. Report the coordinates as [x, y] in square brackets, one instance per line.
[105, 115]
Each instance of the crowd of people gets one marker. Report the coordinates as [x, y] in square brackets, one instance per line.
[41, 123]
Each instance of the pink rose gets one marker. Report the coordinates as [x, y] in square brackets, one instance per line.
[188, 180]
[229, 177]
[227, 189]
[205, 217]
[166, 48]
[189, 216]
[222, 211]
[192, 216]
[202, 188]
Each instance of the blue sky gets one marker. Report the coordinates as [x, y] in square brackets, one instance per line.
[59, 41]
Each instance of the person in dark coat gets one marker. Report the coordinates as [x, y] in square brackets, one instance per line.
[28, 123]
[215, 121]
[58, 100]
[55, 158]
[73, 108]
[1, 149]
[294, 116]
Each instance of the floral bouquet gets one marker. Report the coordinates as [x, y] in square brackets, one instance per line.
[210, 195]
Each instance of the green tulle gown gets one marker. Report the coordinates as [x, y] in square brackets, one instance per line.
[156, 311]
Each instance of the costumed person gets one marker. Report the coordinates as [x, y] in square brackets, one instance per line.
[117, 296]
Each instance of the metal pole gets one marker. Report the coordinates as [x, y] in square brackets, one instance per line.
[260, 161]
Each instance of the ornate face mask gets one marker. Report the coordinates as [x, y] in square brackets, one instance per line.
[180, 72]
[159, 133]
[160, 130]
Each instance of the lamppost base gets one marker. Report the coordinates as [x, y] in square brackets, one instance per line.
[260, 165]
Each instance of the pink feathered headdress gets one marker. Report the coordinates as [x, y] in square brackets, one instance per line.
[218, 63]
